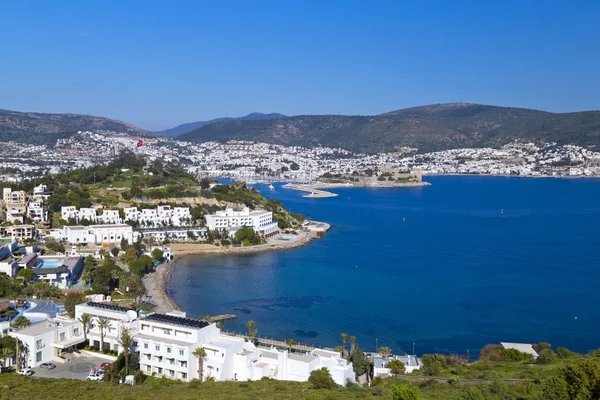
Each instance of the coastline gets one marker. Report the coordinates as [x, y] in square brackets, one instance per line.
[316, 191]
[157, 282]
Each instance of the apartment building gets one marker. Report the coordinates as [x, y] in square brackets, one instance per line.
[91, 215]
[261, 221]
[19, 232]
[44, 341]
[161, 216]
[166, 343]
[37, 212]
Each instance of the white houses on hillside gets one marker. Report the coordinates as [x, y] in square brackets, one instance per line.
[161, 216]
[261, 221]
[91, 215]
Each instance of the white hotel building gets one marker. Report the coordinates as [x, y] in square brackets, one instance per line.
[166, 344]
[261, 221]
[91, 214]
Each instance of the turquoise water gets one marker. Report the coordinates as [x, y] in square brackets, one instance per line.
[48, 263]
[457, 275]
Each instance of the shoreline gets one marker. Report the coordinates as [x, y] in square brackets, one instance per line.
[316, 191]
[157, 283]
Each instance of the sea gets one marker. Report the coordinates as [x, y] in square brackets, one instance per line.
[445, 268]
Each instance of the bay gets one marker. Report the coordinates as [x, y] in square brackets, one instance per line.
[479, 260]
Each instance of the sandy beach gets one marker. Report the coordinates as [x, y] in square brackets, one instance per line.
[156, 288]
[156, 282]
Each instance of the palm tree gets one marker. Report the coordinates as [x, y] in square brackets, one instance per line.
[86, 320]
[103, 323]
[126, 341]
[352, 344]
[252, 330]
[201, 354]
[344, 337]
[290, 344]
[6, 354]
[385, 351]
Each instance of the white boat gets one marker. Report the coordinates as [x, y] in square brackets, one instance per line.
[271, 187]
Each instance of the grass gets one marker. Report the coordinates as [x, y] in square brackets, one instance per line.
[16, 387]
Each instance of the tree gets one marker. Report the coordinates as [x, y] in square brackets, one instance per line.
[405, 392]
[396, 367]
[432, 364]
[7, 353]
[157, 254]
[86, 321]
[124, 244]
[103, 323]
[115, 251]
[344, 337]
[384, 351]
[321, 379]
[131, 253]
[27, 274]
[290, 344]
[201, 354]
[352, 343]
[71, 301]
[546, 356]
[21, 322]
[126, 341]
[360, 362]
[252, 330]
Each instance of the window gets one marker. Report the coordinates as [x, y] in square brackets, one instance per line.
[183, 375]
[159, 370]
[75, 331]
[62, 336]
[157, 348]
[39, 344]
[38, 357]
[169, 350]
[171, 372]
[181, 352]
[145, 345]
[148, 368]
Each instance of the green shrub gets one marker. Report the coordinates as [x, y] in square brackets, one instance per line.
[321, 379]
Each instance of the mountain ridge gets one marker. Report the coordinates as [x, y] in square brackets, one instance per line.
[46, 128]
[190, 126]
[428, 128]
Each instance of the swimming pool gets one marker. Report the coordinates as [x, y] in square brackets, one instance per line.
[286, 238]
[50, 263]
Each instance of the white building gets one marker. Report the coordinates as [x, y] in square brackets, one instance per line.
[112, 233]
[411, 363]
[60, 272]
[40, 192]
[37, 212]
[167, 342]
[174, 234]
[161, 216]
[120, 318]
[91, 215]
[261, 221]
[8, 265]
[47, 340]
[69, 212]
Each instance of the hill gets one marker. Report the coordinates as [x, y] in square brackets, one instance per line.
[190, 126]
[428, 128]
[41, 128]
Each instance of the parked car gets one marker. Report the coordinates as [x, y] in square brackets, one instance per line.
[105, 364]
[25, 371]
[47, 365]
[95, 375]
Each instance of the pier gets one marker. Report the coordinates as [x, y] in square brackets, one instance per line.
[219, 318]
[301, 347]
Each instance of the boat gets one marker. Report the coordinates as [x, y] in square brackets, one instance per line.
[271, 187]
[403, 220]
[502, 211]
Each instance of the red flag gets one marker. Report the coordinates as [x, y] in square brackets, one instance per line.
[139, 144]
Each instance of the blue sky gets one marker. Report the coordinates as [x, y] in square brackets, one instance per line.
[157, 64]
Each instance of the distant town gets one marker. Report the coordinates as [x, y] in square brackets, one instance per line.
[250, 161]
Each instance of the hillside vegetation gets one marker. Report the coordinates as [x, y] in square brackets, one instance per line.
[428, 128]
[190, 126]
[41, 128]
